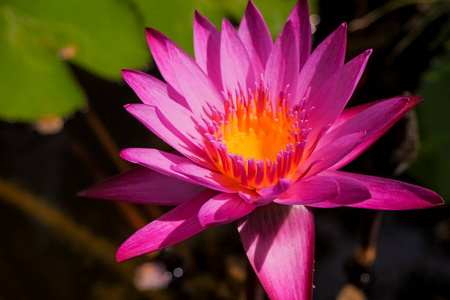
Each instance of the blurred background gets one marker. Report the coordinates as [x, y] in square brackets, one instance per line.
[62, 124]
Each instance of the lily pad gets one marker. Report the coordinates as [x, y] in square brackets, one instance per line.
[35, 83]
[36, 37]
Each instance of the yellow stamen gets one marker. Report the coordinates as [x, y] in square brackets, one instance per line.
[257, 142]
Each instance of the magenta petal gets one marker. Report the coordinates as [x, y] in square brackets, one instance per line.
[223, 208]
[149, 89]
[312, 189]
[158, 46]
[279, 242]
[350, 191]
[389, 194]
[143, 186]
[206, 177]
[381, 128]
[300, 18]
[325, 60]
[173, 227]
[152, 91]
[370, 120]
[331, 98]
[256, 37]
[283, 64]
[157, 160]
[175, 132]
[270, 193]
[329, 155]
[207, 48]
[195, 85]
[237, 69]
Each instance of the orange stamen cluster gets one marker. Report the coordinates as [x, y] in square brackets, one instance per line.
[255, 141]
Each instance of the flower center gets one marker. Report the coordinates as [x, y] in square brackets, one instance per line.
[255, 141]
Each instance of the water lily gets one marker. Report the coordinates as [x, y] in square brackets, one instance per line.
[260, 133]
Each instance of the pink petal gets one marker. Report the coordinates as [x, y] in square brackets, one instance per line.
[206, 177]
[325, 60]
[147, 88]
[175, 132]
[370, 120]
[314, 188]
[382, 128]
[152, 91]
[349, 191]
[388, 194]
[207, 48]
[283, 64]
[222, 209]
[328, 155]
[156, 160]
[194, 84]
[173, 227]
[279, 242]
[158, 46]
[143, 186]
[256, 37]
[270, 193]
[331, 98]
[300, 18]
[237, 69]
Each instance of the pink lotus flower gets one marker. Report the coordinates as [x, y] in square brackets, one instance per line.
[261, 131]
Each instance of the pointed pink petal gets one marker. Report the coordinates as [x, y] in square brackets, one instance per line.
[173, 227]
[387, 194]
[223, 208]
[154, 92]
[147, 88]
[158, 46]
[194, 84]
[331, 98]
[300, 18]
[143, 186]
[151, 90]
[207, 48]
[272, 192]
[314, 188]
[237, 69]
[370, 120]
[256, 37]
[279, 242]
[283, 64]
[328, 155]
[328, 190]
[156, 160]
[325, 60]
[350, 114]
[176, 132]
[206, 177]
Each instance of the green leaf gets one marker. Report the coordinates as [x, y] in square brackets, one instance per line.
[432, 167]
[103, 36]
[35, 83]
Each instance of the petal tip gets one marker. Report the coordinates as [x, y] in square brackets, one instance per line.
[127, 154]
[121, 254]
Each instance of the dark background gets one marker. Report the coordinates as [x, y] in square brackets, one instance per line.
[55, 245]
